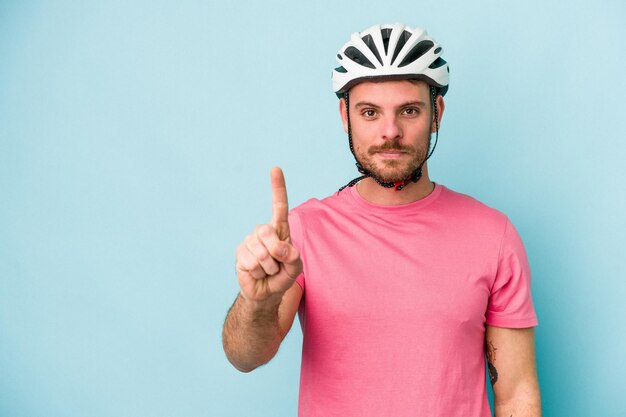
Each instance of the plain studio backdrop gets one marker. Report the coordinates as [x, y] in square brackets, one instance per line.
[136, 140]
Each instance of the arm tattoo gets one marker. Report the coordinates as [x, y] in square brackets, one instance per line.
[491, 358]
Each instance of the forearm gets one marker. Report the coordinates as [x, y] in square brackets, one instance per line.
[252, 334]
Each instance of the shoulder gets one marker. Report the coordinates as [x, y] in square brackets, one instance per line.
[467, 209]
[315, 212]
[334, 203]
[463, 201]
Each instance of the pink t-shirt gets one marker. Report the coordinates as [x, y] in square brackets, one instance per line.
[396, 299]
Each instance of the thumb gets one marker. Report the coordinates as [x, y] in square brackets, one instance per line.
[285, 252]
[289, 256]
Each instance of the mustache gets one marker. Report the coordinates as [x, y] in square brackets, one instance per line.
[393, 145]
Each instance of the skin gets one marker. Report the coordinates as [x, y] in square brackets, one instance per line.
[512, 353]
[267, 266]
[383, 113]
[391, 122]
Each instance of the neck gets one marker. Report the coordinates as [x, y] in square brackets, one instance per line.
[374, 193]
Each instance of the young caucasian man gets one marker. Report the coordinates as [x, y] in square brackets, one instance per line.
[406, 290]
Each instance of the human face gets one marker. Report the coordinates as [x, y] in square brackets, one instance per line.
[391, 122]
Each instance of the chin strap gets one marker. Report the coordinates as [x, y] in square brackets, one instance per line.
[415, 175]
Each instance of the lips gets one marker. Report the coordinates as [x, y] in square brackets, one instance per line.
[386, 150]
[390, 153]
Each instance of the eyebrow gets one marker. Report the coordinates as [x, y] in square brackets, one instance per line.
[417, 103]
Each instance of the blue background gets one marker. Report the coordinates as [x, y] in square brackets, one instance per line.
[135, 145]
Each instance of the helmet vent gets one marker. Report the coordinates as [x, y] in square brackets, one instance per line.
[439, 62]
[341, 70]
[369, 41]
[401, 41]
[415, 53]
[358, 57]
[386, 34]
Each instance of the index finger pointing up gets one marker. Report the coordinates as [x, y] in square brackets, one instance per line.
[280, 206]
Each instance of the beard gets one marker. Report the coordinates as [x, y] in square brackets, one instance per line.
[392, 170]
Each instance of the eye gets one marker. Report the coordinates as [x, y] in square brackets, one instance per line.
[411, 111]
[369, 113]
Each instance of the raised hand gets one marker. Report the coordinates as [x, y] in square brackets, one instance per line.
[267, 262]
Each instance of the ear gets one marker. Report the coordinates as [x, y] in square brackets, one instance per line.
[343, 112]
[441, 106]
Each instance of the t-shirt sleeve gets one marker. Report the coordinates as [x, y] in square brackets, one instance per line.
[297, 234]
[510, 301]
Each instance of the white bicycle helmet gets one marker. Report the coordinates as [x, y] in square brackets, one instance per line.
[390, 52]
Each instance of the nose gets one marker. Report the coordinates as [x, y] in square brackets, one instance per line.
[391, 128]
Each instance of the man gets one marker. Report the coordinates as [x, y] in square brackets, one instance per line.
[403, 286]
